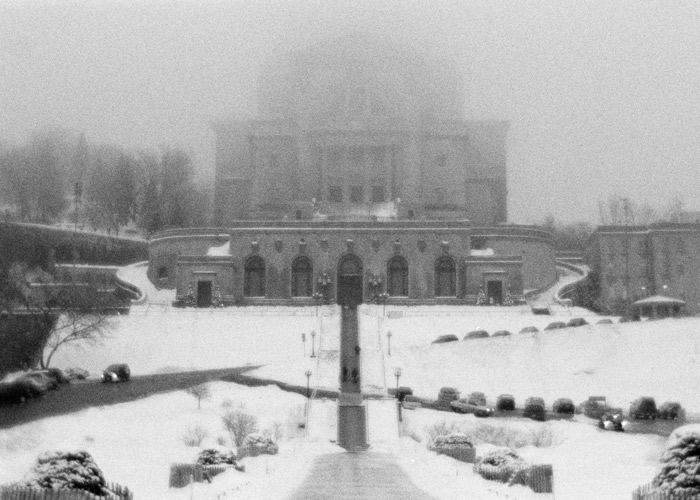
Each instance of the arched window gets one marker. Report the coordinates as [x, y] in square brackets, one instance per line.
[445, 277]
[254, 277]
[397, 277]
[302, 276]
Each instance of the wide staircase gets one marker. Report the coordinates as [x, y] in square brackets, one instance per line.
[352, 415]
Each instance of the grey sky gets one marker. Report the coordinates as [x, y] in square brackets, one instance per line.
[602, 96]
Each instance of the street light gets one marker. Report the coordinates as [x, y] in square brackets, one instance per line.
[397, 374]
[313, 344]
[303, 343]
[308, 378]
[388, 337]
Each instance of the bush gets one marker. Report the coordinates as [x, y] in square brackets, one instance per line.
[67, 470]
[239, 424]
[477, 334]
[195, 435]
[477, 398]
[257, 444]
[449, 441]
[671, 410]
[680, 470]
[505, 402]
[643, 408]
[77, 373]
[564, 405]
[499, 465]
[213, 456]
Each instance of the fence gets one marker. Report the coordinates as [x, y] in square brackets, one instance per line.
[463, 454]
[183, 474]
[115, 491]
[649, 492]
[539, 478]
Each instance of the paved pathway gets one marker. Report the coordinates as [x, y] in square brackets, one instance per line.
[357, 476]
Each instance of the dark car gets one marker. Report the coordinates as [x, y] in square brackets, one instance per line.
[612, 421]
[529, 329]
[534, 409]
[555, 325]
[594, 407]
[443, 339]
[476, 334]
[643, 408]
[501, 333]
[577, 322]
[505, 402]
[564, 406]
[464, 406]
[117, 373]
[671, 410]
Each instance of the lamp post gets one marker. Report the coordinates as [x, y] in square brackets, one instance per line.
[303, 343]
[626, 208]
[388, 338]
[397, 374]
[313, 343]
[308, 387]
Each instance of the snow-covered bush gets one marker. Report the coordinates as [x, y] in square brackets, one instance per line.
[212, 456]
[499, 465]
[239, 424]
[194, 435]
[451, 441]
[680, 470]
[67, 470]
[257, 444]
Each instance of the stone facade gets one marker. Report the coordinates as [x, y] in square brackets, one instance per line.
[356, 126]
[633, 262]
[413, 262]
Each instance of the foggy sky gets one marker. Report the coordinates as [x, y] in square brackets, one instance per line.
[602, 96]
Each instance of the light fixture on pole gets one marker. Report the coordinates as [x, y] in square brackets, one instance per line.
[397, 374]
[388, 338]
[313, 344]
[303, 343]
[308, 382]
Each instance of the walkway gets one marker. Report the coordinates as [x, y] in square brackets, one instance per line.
[357, 476]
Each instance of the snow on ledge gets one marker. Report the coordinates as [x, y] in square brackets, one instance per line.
[220, 251]
[485, 252]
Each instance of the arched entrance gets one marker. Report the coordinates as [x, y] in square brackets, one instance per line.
[350, 281]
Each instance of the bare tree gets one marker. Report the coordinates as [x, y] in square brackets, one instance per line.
[200, 392]
[77, 312]
[239, 424]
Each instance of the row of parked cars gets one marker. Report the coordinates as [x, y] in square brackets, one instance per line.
[482, 334]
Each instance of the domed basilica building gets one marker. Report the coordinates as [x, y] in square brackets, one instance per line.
[360, 180]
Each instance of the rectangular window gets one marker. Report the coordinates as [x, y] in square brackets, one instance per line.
[356, 194]
[335, 194]
[378, 195]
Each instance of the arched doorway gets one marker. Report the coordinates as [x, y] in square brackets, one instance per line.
[350, 281]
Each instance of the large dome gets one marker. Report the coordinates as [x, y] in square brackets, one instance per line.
[360, 82]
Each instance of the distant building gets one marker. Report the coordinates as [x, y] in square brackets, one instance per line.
[359, 178]
[634, 262]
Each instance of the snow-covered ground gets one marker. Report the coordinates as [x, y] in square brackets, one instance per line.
[135, 442]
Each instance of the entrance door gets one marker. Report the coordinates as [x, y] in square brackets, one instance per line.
[204, 294]
[494, 292]
[350, 281]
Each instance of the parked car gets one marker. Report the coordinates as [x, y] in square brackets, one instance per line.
[505, 402]
[477, 398]
[604, 321]
[529, 329]
[576, 322]
[20, 389]
[555, 325]
[594, 407]
[117, 373]
[613, 421]
[442, 339]
[643, 408]
[476, 334]
[411, 402]
[464, 406]
[671, 410]
[43, 378]
[534, 409]
[564, 406]
[501, 333]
